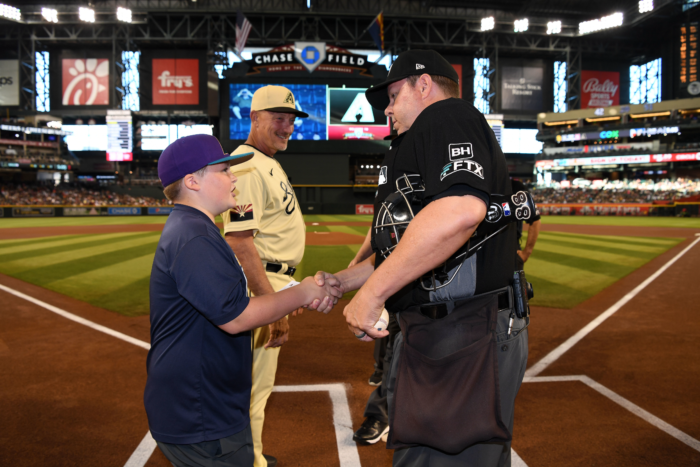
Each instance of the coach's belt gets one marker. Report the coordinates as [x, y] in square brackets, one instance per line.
[440, 310]
[277, 267]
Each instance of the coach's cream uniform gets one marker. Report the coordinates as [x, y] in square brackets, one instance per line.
[266, 205]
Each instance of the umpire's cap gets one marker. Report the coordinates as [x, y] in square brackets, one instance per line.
[412, 62]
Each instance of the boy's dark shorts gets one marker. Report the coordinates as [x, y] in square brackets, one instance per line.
[232, 451]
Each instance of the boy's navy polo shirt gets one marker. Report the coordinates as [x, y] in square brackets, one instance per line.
[198, 386]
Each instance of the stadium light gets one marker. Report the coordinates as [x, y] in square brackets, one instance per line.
[86, 14]
[124, 14]
[50, 15]
[554, 27]
[487, 23]
[605, 22]
[10, 12]
[645, 6]
[520, 25]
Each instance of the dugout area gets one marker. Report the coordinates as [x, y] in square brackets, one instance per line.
[622, 393]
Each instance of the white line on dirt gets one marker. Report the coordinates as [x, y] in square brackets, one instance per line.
[347, 449]
[554, 355]
[143, 452]
[78, 319]
[627, 404]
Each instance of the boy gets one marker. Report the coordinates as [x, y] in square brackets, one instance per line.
[197, 394]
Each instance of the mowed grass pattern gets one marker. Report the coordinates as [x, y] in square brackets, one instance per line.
[566, 269]
[112, 270]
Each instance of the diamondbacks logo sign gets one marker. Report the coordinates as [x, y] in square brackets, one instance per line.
[289, 99]
[460, 155]
[242, 213]
[85, 81]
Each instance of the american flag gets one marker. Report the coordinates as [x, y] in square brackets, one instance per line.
[243, 28]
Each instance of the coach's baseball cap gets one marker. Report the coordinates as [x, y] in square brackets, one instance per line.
[409, 63]
[191, 153]
[276, 99]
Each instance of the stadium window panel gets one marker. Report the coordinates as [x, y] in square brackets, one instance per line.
[482, 86]
[43, 82]
[130, 81]
[560, 86]
[645, 83]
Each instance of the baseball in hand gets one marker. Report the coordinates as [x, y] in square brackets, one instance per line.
[383, 322]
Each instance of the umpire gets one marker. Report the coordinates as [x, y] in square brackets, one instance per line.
[458, 362]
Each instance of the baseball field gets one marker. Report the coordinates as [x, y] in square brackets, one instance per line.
[611, 346]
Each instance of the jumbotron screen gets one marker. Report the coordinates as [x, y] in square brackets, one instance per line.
[310, 98]
[351, 117]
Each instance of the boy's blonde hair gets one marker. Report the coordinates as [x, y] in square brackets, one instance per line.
[172, 191]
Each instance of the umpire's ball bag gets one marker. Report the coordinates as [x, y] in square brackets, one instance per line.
[447, 393]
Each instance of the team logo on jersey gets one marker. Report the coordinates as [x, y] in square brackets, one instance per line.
[382, 176]
[460, 151]
[506, 209]
[288, 194]
[242, 213]
[462, 165]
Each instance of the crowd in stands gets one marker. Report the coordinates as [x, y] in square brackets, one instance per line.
[34, 157]
[70, 195]
[618, 191]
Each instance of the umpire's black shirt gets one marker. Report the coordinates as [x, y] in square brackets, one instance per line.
[455, 152]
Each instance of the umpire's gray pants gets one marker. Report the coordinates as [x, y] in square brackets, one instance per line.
[512, 361]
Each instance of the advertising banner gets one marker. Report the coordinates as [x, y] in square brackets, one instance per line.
[85, 81]
[77, 211]
[21, 142]
[175, 81]
[33, 211]
[620, 160]
[599, 89]
[364, 209]
[125, 211]
[9, 82]
[160, 211]
[521, 88]
[594, 209]
[646, 146]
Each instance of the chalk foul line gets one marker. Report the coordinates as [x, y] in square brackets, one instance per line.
[625, 403]
[554, 355]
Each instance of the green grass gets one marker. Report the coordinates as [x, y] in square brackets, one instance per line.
[566, 269]
[112, 270]
[629, 221]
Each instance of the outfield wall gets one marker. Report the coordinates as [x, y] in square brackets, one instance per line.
[623, 209]
[314, 200]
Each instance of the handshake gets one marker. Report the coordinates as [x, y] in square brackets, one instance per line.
[323, 291]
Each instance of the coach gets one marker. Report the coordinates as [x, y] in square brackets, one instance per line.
[267, 232]
[457, 366]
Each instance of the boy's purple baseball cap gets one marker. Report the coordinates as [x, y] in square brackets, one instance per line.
[191, 153]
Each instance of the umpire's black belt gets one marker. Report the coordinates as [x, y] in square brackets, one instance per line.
[440, 310]
[277, 267]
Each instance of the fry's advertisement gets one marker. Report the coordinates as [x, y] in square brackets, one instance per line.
[175, 81]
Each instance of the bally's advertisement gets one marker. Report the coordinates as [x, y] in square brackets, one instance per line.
[521, 88]
[599, 89]
[173, 80]
[9, 82]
